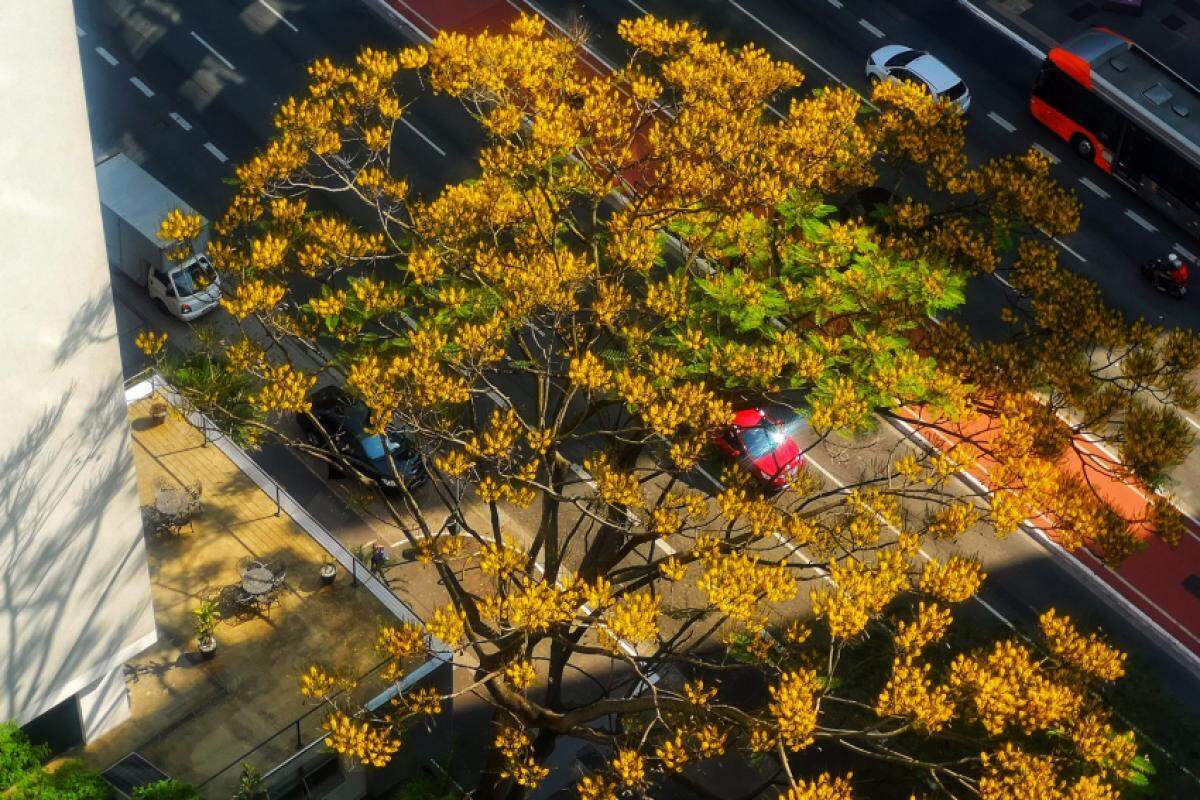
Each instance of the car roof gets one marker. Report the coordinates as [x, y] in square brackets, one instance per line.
[933, 72]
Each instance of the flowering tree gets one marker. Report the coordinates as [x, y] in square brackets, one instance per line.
[639, 252]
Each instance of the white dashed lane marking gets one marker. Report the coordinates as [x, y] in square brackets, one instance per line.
[142, 87]
[878, 33]
[282, 18]
[1053, 158]
[1086, 182]
[1183, 251]
[213, 50]
[216, 153]
[80, 31]
[107, 56]
[835, 3]
[180, 121]
[1001, 121]
[1141, 221]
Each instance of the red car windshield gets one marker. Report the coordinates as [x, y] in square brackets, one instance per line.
[762, 440]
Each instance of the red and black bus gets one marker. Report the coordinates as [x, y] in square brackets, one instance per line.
[1128, 113]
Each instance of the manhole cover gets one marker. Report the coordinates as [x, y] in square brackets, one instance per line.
[1173, 22]
[1082, 12]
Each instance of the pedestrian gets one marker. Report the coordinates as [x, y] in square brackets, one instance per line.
[378, 559]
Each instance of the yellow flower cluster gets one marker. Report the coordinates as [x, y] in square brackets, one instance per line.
[317, 683]
[253, 297]
[520, 673]
[179, 227]
[629, 766]
[825, 787]
[736, 584]
[634, 618]
[794, 708]
[447, 624]
[1006, 688]
[150, 343]
[588, 372]
[860, 591]
[502, 561]
[285, 389]
[1088, 654]
[930, 625]
[952, 580]
[614, 486]
[362, 741]
[423, 700]
[910, 693]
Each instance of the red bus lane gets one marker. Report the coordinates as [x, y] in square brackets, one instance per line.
[1159, 585]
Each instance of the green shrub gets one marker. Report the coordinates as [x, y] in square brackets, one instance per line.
[166, 790]
[18, 755]
[427, 787]
[69, 781]
[250, 785]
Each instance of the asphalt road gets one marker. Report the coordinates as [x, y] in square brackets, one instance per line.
[210, 74]
[831, 39]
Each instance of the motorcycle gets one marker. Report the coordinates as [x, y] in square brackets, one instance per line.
[1166, 277]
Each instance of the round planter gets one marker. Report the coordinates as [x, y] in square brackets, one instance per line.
[158, 413]
[207, 647]
[328, 573]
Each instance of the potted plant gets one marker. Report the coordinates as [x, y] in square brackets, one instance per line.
[204, 621]
[158, 412]
[328, 571]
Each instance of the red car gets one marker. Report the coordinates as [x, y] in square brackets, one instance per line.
[761, 441]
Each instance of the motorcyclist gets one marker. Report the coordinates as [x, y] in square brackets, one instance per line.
[1171, 268]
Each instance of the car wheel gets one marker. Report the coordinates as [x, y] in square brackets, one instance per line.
[1083, 146]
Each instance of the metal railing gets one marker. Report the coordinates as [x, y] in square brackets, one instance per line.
[303, 735]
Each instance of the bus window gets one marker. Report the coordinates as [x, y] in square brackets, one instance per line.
[1144, 155]
[1078, 104]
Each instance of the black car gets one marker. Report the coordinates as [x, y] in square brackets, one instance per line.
[345, 420]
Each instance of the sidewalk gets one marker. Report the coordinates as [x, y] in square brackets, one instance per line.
[1169, 29]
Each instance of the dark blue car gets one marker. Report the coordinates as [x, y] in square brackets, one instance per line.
[345, 419]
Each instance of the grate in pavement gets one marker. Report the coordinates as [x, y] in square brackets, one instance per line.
[130, 772]
[1173, 22]
[1082, 12]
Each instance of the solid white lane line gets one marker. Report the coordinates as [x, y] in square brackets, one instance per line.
[107, 56]
[878, 33]
[141, 87]
[1064, 246]
[281, 17]
[80, 31]
[1086, 182]
[786, 43]
[1001, 121]
[1053, 158]
[1141, 221]
[180, 121]
[1183, 251]
[428, 141]
[217, 154]
[638, 7]
[1003, 29]
[835, 3]
[213, 50]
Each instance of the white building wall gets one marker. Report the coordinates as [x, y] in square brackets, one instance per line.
[74, 586]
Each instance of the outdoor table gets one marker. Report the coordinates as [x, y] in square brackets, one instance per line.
[258, 581]
[171, 502]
